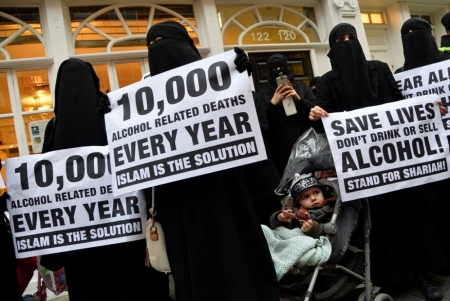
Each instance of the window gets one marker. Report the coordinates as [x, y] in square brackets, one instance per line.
[20, 33]
[267, 24]
[115, 28]
[372, 18]
[425, 17]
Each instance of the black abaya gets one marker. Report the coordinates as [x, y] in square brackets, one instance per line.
[283, 131]
[261, 178]
[420, 49]
[10, 289]
[215, 244]
[114, 272]
[399, 246]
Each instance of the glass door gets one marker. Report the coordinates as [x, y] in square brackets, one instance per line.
[129, 72]
[25, 107]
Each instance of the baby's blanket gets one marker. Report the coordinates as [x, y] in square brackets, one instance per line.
[293, 247]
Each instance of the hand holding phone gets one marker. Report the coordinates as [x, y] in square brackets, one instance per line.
[288, 102]
[302, 215]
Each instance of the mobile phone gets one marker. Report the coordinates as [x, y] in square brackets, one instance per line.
[288, 102]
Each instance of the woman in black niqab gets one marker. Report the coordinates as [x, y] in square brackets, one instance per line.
[170, 39]
[274, 61]
[349, 60]
[355, 83]
[215, 245]
[419, 48]
[115, 272]
[419, 45]
[77, 93]
[284, 130]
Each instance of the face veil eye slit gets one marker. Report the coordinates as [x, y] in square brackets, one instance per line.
[346, 37]
[155, 40]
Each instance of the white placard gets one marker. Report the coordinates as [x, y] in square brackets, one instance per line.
[62, 201]
[427, 80]
[193, 120]
[388, 147]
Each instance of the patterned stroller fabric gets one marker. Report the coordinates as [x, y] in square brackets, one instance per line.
[291, 247]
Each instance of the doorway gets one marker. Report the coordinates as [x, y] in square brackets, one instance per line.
[379, 46]
[298, 61]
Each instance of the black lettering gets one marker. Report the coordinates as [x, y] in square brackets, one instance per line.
[207, 130]
[348, 162]
[335, 125]
[142, 147]
[178, 80]
[157, 145]
[103, 209]
[90, 210]
[131, 154]
[225, 127]
[57, 217]
[117, 208]
[241, 121]
[132, 205]
[190, 80]
[193, 132]
[429, 108]
[171, 138]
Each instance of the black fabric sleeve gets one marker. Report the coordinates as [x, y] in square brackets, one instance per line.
[316, 231]
[393, 88]
[307, 100]
[324, 100]
[274, 223]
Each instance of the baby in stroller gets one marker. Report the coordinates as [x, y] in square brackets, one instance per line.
[310, 207]
[288, 244]
[345, 226]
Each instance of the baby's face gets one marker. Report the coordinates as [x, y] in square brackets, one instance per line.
[312, 197]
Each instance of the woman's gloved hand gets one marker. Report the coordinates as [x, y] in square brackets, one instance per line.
[104, 104]
[242, 62]
[3, 199]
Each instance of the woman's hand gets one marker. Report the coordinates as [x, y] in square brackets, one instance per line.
[316, 113]
[104, 104]
[282, 92]
[307, 225]
[242, 62]
[285, 216]
[442, 109]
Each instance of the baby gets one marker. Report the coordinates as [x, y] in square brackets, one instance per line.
[311, 206]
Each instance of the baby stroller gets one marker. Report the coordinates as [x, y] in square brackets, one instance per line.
[348, 267]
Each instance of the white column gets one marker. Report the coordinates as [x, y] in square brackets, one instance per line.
[208, 24]
[397, 14]
[56, 35]
[345, 11]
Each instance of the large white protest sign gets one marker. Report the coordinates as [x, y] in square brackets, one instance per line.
[427, 80]
[193, 120]
[388, 147]
[62, 201]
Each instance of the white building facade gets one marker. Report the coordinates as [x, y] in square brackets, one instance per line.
[37, 35]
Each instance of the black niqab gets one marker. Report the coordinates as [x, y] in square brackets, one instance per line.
[200, 243]
[445, 41]
[347, 58]
[175, 43]
[274, 61]
[446, 21]
[77, 122]
[419, 45]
